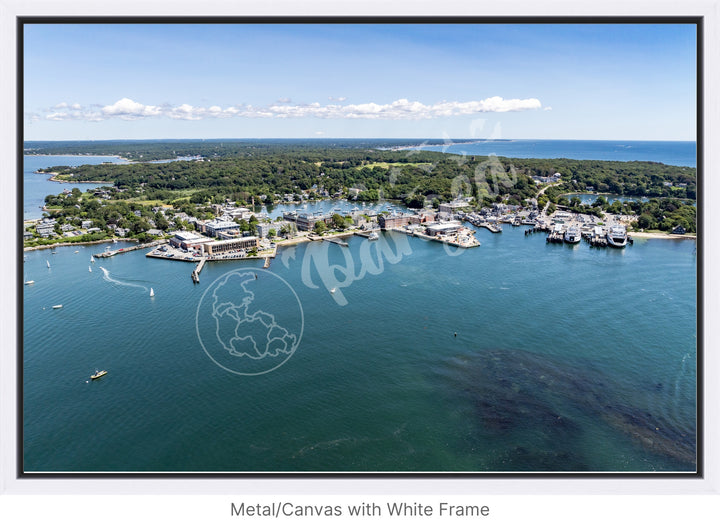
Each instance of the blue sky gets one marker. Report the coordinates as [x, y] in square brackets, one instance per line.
[118, 81]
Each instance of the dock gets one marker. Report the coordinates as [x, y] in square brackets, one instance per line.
[337, 241]
[364, 234]
[267, 262]
[555, 236]
[492, 227]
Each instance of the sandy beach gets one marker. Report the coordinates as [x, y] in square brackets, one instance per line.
[662, 235]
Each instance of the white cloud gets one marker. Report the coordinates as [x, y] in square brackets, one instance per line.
[128, 109]
[547, 109]
[402, 109]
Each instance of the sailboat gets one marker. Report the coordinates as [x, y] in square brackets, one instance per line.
[152, 293]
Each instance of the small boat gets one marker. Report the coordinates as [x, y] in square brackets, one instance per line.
[89, 269]
[54, 252]
[76, 252]
[57, 306]
[28, 282]
[332, 290]
[98, 374]
[92, 259]
[152, 293]
[373, 236]
[48, 263]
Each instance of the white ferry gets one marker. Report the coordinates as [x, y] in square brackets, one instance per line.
[617, 236]
[572, 235]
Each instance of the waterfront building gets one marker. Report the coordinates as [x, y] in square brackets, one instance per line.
[216, 225]
[443, 229]
[188, 240]
[214, 247]
[393, 221]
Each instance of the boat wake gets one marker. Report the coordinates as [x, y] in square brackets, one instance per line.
[106, 276]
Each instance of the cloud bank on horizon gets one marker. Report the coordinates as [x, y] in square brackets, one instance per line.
[402, 109]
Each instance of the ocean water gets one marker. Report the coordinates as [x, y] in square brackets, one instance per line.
[514, 356]
[36, 186]
[673, 153]
[399, 355]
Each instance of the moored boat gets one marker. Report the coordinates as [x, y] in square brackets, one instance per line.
[373, 236]
[57, 306]
[28, 282]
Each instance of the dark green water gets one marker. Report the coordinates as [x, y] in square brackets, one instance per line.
[514, 356]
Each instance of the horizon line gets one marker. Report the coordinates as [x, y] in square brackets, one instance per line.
[418, 139]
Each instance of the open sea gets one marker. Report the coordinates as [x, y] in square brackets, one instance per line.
[391, 355]
[674, 153]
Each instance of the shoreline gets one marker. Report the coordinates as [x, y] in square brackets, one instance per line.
[53, 178]
[67, 244]
[72, 155]
[662, 235]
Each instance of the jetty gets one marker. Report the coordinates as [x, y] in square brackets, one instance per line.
[195, 275]
[108, 254]
[267, 262]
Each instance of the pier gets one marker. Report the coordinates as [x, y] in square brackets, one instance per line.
[555, 236]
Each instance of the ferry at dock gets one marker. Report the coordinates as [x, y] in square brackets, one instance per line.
[617, 236]
[572, 235]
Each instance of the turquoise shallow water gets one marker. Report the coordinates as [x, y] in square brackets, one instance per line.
[514, 356]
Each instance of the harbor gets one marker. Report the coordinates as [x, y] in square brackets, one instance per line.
[414, 304]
